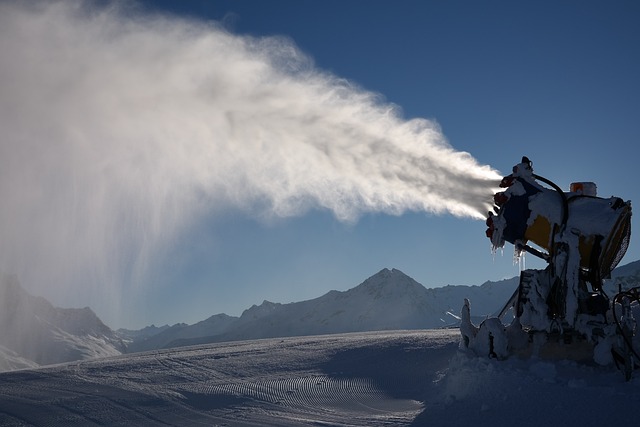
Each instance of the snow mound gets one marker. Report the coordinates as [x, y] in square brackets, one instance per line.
[489, 392]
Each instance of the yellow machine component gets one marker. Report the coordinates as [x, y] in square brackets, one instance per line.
[601, 225]
[615, 246]
[540, 232]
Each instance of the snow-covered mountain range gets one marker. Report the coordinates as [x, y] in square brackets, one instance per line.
[388, 300]
[33, 332]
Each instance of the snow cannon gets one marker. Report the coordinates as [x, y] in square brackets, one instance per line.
[562, 311]
[529, 212]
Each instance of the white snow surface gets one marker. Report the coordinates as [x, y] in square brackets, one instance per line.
[391, 378]
[11, 361]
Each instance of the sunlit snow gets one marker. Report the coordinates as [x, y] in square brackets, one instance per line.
[364, 379]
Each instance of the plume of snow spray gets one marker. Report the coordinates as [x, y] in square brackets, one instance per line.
[119, 129]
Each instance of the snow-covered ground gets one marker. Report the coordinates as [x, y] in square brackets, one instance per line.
[359, 379]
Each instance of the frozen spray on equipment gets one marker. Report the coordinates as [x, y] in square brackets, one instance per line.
[563, 310]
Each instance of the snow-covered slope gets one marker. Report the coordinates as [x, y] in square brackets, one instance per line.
[34, 331]
[11, 361]
[395, 378]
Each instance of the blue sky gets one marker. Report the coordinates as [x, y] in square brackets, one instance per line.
[556, 81]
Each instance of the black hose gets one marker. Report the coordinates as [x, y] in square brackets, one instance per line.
[634, 295]
[565, 202]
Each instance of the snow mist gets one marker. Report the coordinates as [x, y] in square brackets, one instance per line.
[120, 129]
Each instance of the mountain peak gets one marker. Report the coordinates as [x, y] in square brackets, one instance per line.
[385, 273]
[257, 311]
[389, 277]
[33, 328]
[389, 284]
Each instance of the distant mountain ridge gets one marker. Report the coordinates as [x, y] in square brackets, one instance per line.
[387, 300]
[215, 324]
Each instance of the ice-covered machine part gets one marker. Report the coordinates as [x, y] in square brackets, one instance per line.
[561, 311]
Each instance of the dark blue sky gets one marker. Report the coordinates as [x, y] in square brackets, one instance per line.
[541, 74]
[556, 81]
